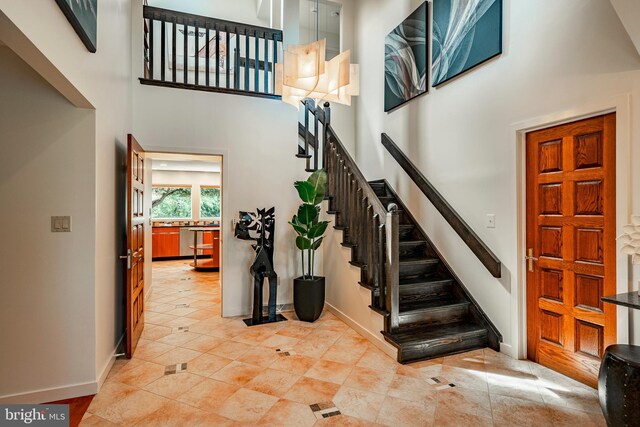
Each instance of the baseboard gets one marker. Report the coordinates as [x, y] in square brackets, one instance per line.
[378, 342]
[508, 350]
[52, 394]
[105, 370]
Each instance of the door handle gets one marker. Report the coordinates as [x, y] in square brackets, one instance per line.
[530, 259]
[128, 258]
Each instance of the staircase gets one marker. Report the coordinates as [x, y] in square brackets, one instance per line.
[437, 316]
[428, 312]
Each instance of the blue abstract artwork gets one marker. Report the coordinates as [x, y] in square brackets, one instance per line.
[405, 60]
[83, 17]
[466, 33]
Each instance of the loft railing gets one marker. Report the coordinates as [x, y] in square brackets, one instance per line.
[189, 51]
[466, 233]
[370, 228]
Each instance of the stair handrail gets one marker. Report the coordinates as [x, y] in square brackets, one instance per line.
[466, 233]
[373, 228]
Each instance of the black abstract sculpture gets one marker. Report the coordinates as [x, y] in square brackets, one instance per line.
[260, 228]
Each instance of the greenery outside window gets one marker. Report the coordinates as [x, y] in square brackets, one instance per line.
[209, 202]
[171, 202]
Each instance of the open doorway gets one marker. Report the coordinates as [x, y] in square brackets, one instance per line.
[184, 195]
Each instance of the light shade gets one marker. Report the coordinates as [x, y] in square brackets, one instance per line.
[306, 74]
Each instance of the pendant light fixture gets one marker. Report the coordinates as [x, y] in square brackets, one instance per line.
[305, 73]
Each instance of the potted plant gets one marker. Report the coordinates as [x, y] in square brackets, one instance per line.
[308, 289]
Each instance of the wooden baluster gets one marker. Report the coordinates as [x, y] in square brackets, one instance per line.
[366, 239]
[228, 57]
[275, 59]
[174, 30]
[256, 66]
[380, 271]
[373, 256]
[185, 54]
[360, 226]
[393, 270]
[236, 71]
[207, 60]
[246, 60]
[151, 48]
[217, 57]
[266, 64]
[197, 55]
[307, 137]
[316, 138]
[163, 38]
[326, 133]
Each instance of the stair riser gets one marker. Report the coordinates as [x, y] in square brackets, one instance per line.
[379, 189]
[439, 316]
[406, 233]
[416, 270]
[431, 349]
[411, 250]
[424, 292]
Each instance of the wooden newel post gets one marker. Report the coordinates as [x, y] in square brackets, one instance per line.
[393, 268]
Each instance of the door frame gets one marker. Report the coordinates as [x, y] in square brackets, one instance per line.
[199, 151]
[621, 105]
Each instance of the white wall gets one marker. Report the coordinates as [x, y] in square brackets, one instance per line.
[101, 80]
[47, 278]
[558, 56]
[193, 179]
[257, 138]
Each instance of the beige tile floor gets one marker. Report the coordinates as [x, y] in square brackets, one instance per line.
[279, 374]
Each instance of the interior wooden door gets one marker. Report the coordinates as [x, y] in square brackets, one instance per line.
[135, 244]
[571, 212]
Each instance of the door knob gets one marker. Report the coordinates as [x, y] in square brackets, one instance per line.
[530, 259]
[128, 258]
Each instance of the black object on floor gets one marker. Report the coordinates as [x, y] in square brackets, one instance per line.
[619, 385]
[265, 320]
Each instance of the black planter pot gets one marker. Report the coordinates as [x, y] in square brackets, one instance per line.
[308, 298]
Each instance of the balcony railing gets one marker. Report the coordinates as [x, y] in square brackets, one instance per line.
[189, 51]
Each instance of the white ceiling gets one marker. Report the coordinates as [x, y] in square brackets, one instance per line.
[629, 13]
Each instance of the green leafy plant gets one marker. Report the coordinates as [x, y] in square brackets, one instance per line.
[306, 222]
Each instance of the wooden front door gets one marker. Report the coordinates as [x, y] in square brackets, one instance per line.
[135, 244]
[571, 212]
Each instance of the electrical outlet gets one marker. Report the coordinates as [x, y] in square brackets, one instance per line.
[491, 221]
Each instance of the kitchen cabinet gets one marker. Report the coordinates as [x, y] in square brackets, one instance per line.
[165, 242]
[213, 239]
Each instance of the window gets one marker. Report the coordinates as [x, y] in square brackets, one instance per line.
[210, 202]
[171, 202]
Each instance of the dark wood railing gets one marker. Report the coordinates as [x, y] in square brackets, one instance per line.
[468, 236]
[370, 228]
[189, 51]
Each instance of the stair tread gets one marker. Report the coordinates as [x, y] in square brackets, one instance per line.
[435, 332]
[419, 260]
[413, 242]
[414, 306]
[423, 280]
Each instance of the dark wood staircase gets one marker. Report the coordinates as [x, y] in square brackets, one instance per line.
[428, 312]
[437, 316]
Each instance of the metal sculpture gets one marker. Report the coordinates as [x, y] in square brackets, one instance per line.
[260, 228]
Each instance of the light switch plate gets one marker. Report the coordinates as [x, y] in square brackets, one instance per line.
[60, 224]
[491, 221]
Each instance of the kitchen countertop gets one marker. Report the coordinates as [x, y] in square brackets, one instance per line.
[184, 226]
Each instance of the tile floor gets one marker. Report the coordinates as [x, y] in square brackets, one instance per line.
[194, 368]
